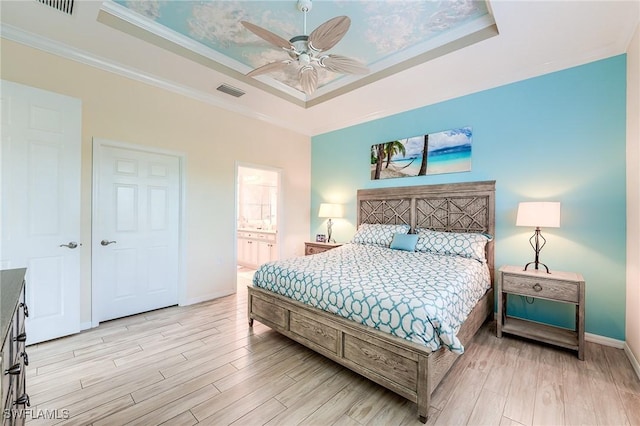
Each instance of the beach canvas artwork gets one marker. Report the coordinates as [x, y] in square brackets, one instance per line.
[434, 153]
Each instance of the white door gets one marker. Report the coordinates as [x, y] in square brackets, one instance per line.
[41, 133]
[135, 241]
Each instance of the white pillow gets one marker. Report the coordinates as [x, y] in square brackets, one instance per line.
[469, 245]
[378, 234]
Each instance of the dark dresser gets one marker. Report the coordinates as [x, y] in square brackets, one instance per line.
[13, 358]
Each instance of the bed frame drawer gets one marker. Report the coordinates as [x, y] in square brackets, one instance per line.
[314, 331]
[269, 312]
[403, 371]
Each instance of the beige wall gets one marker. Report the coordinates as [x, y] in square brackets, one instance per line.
[212, 139]
[633, 197]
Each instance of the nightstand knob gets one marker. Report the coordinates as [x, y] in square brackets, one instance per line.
[537, 287]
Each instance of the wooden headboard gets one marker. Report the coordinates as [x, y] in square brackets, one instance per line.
[450, 207]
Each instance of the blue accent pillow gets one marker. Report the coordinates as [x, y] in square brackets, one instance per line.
[406, 242]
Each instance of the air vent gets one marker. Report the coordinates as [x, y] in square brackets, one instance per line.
[65, 6]
[230, 90]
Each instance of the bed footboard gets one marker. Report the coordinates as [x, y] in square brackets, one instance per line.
[406, 368]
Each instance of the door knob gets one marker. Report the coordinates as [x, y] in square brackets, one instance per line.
[106, 242]
[71, 245]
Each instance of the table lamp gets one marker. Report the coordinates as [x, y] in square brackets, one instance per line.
[330, 211]
[541, 214]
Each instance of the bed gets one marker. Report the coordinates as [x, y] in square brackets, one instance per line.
[396, 357]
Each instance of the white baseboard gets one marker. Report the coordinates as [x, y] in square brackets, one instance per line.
[632, 358]
[205, 298]
[603, 340]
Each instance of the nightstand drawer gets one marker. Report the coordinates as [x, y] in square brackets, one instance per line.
[539, 287]
[315, 248]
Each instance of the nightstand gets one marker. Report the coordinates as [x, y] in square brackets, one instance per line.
[315, 248]
[565, 287]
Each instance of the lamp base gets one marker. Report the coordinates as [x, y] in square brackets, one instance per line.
[329, 226]
[536, 263]
[535, 244]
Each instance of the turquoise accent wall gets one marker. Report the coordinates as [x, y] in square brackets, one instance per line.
[557, 137]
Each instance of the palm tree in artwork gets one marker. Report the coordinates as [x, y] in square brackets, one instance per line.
[392, 148]
[425, 150]
[377, 156]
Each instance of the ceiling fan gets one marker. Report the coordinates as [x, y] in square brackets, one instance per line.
[307, 52]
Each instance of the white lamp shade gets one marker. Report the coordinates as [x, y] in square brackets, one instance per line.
[543, 214]
[331, 210]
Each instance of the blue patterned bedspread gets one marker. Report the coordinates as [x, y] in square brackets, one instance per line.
[421, 297]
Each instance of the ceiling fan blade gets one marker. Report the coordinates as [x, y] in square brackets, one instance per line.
[267, 35]
[343, 65]
[329, 34]
[272, 66]
[308, 79]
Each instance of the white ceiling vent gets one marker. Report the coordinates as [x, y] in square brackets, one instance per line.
[65, 6]
[230, 90]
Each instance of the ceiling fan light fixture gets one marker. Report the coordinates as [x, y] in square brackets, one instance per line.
[305, 49]
[304, 59]
[299, 45]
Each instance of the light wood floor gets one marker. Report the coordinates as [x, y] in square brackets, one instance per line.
[202, 365]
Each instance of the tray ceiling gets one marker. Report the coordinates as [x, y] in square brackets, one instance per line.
[388, 36]
[535, 38]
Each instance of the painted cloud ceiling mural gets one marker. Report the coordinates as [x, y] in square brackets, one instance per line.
[382, 33]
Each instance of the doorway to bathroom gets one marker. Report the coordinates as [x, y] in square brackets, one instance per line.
[257, 206]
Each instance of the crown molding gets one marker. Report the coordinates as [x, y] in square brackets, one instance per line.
[35, 41]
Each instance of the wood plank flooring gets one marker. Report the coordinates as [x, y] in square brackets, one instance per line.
[201, 364]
